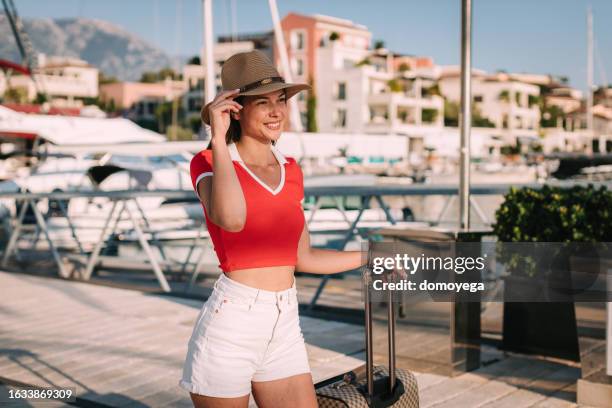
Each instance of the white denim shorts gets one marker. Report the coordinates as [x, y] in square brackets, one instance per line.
[244, 334]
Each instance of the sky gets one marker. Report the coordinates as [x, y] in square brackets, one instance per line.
[535, 36]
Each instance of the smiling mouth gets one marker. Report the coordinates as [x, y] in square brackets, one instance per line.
[273, 126]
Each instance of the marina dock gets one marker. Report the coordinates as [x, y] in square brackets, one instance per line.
[125, 348]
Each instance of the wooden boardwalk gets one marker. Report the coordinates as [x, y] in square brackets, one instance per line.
[126, 348]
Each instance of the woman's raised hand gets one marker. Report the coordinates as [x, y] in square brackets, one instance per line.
[219, 112]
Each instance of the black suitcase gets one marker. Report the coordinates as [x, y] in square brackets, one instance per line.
[370, 386]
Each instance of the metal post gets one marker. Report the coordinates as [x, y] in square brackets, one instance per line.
[16, 231]
[466, 114]
[147, 249]
[93, 258]
[208, 60]
[71, 226]
[391, 334]
[609, 338]
[43, 227]
[589, 106]
[369, 332]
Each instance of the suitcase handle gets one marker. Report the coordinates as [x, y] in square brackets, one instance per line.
[367, 279]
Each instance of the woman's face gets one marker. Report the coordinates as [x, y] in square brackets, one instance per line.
[263, 116]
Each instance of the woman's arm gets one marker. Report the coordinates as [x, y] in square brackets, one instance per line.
[325, 261]
[221, 193]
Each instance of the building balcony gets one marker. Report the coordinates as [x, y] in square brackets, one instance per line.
[406, 99]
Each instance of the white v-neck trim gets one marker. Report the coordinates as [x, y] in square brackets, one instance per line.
[235, 156]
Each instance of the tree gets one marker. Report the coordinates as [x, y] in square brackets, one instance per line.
[379, 44]
[16, 95]
[167, 73]
[395, 85]
[311, 109]
[550, 115]
[195, 60]
[40, 98]
[334, 36]
[451, 113]
[103, 79]
[404, 67]
[148, 77]
[451, 116]
[478, 120]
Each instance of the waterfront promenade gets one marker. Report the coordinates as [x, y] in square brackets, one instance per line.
[125, 348]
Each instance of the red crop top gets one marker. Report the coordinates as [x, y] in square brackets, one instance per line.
[274, 218]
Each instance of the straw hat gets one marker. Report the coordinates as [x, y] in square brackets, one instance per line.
[254, 74]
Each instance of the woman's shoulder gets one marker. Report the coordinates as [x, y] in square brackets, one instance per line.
[202, 158]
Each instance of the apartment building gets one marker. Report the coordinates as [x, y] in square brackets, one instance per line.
[141, 99]
[65, 80]
[508, 103]
[358, 89]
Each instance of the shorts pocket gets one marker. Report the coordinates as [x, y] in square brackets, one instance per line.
[209, 313]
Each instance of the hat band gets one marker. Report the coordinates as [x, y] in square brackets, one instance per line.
[261, 82]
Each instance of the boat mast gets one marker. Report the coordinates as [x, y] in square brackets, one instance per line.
[208, 60]
[296, 121]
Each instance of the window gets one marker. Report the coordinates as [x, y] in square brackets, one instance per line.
[340, 118]
[299, 66]
[194, 104]
[341, 91]
[298, 40]
[477, 98]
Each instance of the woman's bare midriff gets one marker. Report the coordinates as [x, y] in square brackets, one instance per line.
[272, 278]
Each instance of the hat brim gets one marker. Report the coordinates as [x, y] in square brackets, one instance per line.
[292, 89]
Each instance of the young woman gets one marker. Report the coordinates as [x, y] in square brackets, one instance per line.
[247, 338]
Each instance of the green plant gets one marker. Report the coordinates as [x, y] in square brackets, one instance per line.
[451, 113]
[311, 109]
[508, 150]
[552, 214]
[504, 96]
[555, 214]
[550, 116]
[431, 91]
[365, 61]
[395, 85]
[429, 115]
[40, 98]
[334, 36]
[16, 95]
[379, 44]
[403, 67]
[533, 100]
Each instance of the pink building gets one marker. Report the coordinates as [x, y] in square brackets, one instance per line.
[126, 94]
[305, 34]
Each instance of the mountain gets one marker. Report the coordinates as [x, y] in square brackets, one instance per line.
[110, 48]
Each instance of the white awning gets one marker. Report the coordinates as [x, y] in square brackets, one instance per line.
[75, 130]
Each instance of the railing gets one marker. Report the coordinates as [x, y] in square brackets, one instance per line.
[127, 201]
